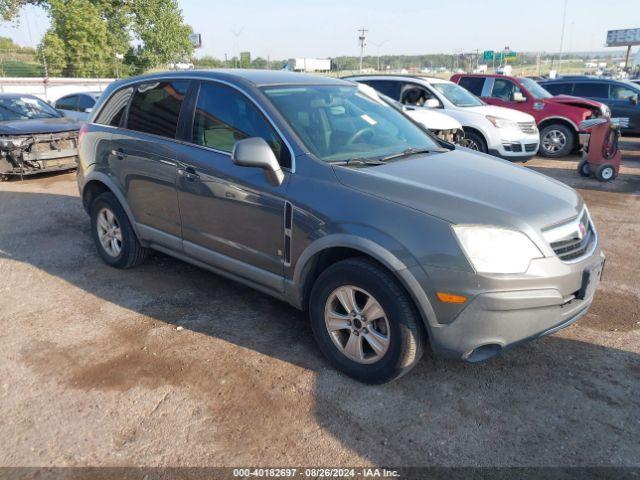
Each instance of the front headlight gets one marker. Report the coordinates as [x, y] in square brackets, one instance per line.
[495, 249]
[11, 142]
[501, 122]
[605, 110]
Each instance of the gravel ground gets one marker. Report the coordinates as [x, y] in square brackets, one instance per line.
[96, 371]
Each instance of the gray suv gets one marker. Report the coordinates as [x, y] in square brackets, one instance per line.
[319, 193]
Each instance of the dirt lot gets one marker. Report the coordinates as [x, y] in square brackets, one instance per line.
[94, 370]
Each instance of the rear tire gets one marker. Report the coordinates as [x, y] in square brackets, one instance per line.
[584, 169]
[393, 321]
[113, 234]
[556, 141]
[606, 172]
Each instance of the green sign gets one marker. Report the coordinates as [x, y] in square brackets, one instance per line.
[490, 55]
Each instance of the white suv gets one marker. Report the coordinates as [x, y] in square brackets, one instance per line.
[499, 131]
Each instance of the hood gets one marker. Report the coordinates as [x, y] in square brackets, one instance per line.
[39, 125]
[501, 112]
[574, 101]
[462, 186]
[433, 120]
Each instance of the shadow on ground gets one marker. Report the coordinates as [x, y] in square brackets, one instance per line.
[556, 401]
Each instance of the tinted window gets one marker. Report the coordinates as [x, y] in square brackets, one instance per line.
[223, 116]
[67, 103]
[504, 89]
[155, 107]
[591, 89]
[84, 102]
[389, 88]
[473, 84]
[559, 88]
[112, 112]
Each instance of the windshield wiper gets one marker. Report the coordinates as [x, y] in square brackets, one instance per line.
[358, 161]
[408, 152]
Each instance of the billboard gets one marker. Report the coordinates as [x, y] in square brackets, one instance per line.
[626, 37]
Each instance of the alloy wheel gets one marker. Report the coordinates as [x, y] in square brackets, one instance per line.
[109, 232]
[357, 324]
[554, 141]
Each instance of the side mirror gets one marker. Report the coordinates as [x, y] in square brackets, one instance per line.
[255, 152]
[61, 112]
[518, 97]
[432, 103]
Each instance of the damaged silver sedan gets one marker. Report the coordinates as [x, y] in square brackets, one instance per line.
[34, 137]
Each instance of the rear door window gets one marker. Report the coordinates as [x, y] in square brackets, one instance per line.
[68, 103]
[473, 84]
[113, 111]
[559, 88]
[155, 107]
[591, 89]
[224, 115]
[389, 88]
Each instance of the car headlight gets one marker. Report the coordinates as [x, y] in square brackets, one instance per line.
[501, 122]
[9, 142]
[495, 249]
[605, 110]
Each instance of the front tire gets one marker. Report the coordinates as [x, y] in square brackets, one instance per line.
[113, 234]
[474, 141]
[364, 321]
[556, 141]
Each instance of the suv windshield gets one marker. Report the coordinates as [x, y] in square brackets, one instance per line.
[457, 95]
[25, 108]
[534, 88]
[339, 123]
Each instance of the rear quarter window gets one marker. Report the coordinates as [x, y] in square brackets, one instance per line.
[473, 84]
[112, 112]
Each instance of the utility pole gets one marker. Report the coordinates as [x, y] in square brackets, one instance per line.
[237, 33]
[564, 16]
[362, 39]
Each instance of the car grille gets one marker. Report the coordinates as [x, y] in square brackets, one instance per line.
[531, 147]
[528, 127]
[578, 243]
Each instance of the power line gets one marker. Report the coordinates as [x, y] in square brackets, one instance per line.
[362, 39]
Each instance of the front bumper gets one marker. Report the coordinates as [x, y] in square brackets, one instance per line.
[514, 144]
[502, 313]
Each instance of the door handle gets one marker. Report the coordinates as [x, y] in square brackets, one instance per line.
[119, 153]
[189, 173]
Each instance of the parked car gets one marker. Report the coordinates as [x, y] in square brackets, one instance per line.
[315, 191]
[442, 126]
[558, 118]
[498, 131]
[621, 96]
[34, 137]
[78, 105]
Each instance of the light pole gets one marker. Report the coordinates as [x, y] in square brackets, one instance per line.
[564, 17]
[377, 45]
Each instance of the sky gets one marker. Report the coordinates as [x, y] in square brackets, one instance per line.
[297, 28]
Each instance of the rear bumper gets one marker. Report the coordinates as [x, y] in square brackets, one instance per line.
[498, 319]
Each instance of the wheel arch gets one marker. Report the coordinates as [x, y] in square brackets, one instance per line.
[560, 120]
[477, 131]
[97, 183]
[331, 249]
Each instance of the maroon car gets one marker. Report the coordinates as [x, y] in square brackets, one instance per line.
[557, 117]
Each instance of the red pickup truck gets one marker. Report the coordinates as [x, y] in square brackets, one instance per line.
[557, 117]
